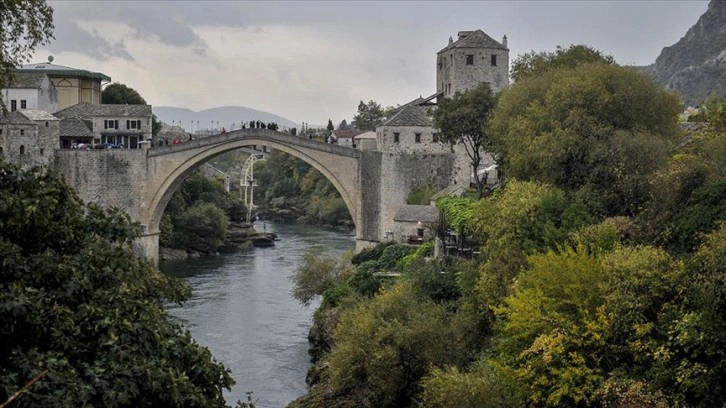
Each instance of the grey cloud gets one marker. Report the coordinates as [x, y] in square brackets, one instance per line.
[70, 37]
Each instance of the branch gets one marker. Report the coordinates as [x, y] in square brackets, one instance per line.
[25, 388]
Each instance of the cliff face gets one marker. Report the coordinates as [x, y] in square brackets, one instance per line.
[695, 66]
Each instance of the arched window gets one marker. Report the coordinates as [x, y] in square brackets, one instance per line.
[22, 149]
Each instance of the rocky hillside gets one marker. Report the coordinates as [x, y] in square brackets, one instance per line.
[695, 66]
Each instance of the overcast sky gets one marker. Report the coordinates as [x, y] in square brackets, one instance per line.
[310, 61]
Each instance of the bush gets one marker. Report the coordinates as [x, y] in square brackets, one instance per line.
[313, 276]
[370, 253]
[201, 228]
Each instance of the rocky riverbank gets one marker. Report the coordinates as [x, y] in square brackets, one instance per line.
[240, 237]
[296, 215]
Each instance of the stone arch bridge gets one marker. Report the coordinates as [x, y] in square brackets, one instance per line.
[142, 182]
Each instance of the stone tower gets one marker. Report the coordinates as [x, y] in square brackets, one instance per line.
[472, 59]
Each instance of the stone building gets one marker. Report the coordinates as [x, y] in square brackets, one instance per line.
[73, 85]
[122, 125]
[29, 137]
[411, 156]
[414, 224]
[472, 59]
[346, 137]
[31, 91]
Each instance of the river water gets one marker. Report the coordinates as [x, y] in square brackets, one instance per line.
[242, 310]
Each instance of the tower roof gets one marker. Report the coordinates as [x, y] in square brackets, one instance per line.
[51, 69]
[474, 39]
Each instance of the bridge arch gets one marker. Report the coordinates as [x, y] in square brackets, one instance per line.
[168, 166]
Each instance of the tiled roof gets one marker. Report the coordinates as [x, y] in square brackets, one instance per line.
[15, 117]
[415, 213]
[25, 80]
[36, 114]
[347, 133]
[411, 115]
[75, 127]
[55, 69]
[87, 110]
[475, 39]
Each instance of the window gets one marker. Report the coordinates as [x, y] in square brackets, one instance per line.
[22, 149]
[1, 150]
[440, 64]
[418, 137]
[110, 124]
[133, 124]
[42, 151]
[46, 124]
[435, 138]
[494, 60]
[23, 104]
[396, 137]
[22, 132]
[13, 105]
[419, 232]
[470, 59]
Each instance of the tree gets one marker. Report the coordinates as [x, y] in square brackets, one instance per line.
[26, 24]
[537, 63]
[330, 126]
[343, 124]
[464, 120]
[80, 308]
[120, 94]
[597, 129]
[369, 116]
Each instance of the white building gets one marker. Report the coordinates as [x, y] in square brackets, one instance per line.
[31, 91]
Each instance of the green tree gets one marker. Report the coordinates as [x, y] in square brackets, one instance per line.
[81, 312]
[577, 318]
[26, 24]
[599, 130]
[370, 115]
[387, 345]
[202, 228]
[537, 63]
[315, 274]
[464, 120]
[343, 124]
[120, 94]
[330, 126]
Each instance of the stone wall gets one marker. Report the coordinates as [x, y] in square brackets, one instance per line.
[370, 179]
[385, 136]
[107, 177]
[28, 144]
[401, 173]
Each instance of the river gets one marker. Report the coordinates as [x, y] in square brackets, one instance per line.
[242, 310]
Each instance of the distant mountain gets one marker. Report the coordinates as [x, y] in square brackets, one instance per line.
[695, 66]
[223, 116]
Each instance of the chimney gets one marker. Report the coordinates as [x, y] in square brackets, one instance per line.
[451, 40]
[464, 34]
[504, 41]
